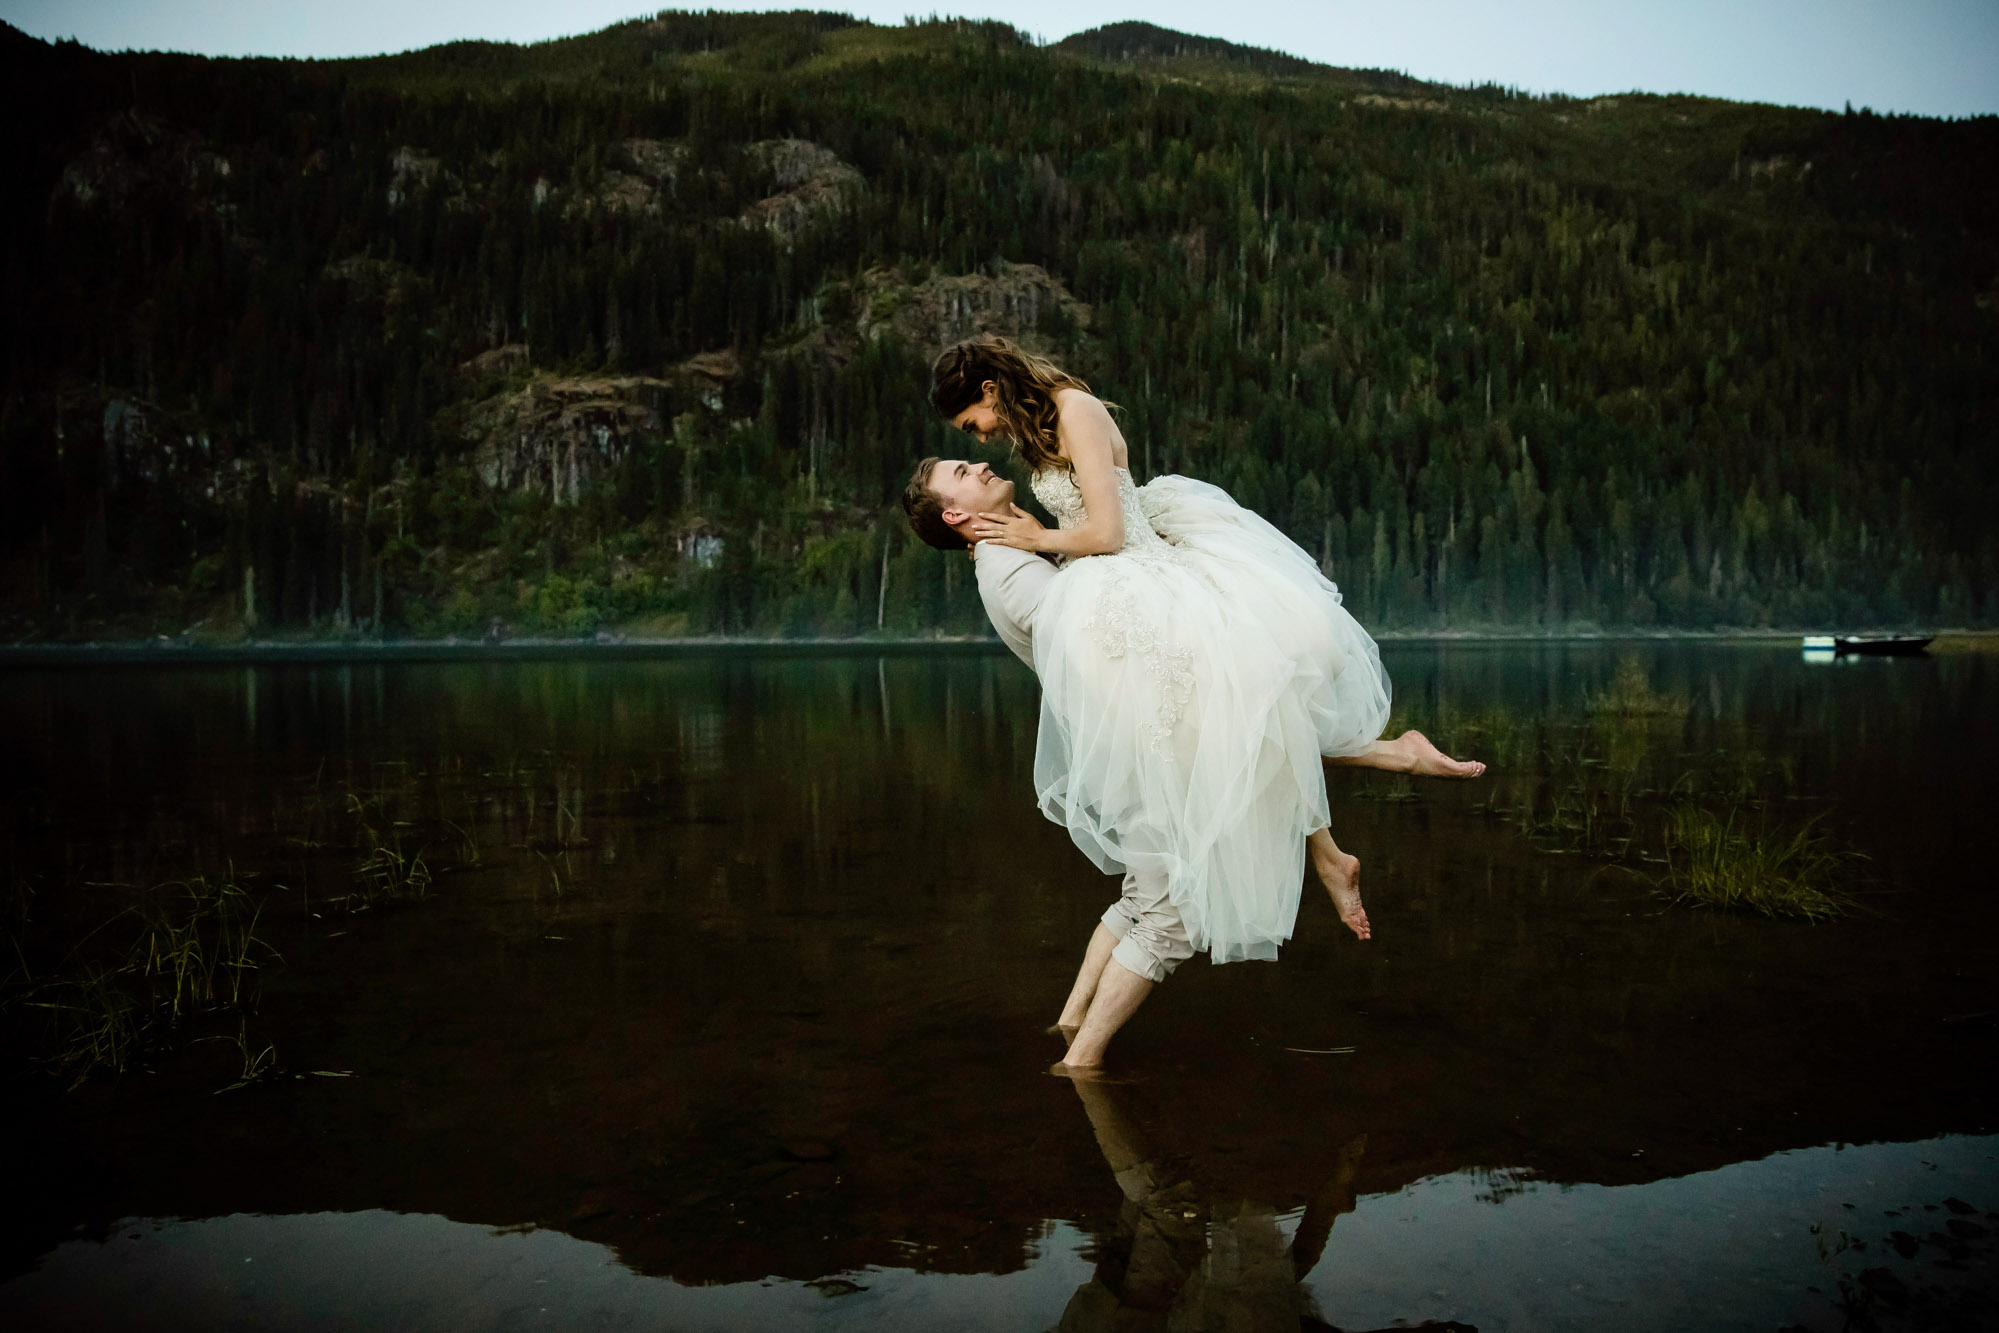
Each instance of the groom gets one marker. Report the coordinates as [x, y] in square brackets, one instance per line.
[1141, 938]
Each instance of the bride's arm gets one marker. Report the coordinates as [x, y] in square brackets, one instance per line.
[1086, 434]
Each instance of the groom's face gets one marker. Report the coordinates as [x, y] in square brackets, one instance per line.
[968, 489]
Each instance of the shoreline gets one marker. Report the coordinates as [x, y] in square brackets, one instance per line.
[280, 651]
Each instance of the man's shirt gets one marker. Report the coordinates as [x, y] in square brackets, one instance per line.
[1012, 583]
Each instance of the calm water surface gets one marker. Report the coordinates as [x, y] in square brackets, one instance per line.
[725, 1008]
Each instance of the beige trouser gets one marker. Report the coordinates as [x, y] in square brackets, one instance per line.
[1152, 940]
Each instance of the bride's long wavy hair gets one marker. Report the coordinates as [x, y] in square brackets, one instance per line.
[1024, 389]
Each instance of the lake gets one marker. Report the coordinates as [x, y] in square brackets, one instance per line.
[711, 992]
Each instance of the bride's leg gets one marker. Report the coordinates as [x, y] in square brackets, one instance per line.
[1411, 752]
[1341, 875]
[1094, 960]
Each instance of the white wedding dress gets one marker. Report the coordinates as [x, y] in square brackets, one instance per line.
[1189, 685]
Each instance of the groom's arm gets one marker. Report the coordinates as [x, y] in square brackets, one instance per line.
[1011, 584]
[1023, 586]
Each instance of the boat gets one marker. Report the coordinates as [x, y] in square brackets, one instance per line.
[1868, 645]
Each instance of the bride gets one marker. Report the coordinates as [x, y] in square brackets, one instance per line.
[1193, 668]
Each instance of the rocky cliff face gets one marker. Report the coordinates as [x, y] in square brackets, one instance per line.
[805, 184]
[133, 152]
[556, 435]
[929, 312]
[811, 182]
[945, 308]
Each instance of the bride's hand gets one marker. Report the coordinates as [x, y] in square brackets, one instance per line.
[1019, 529]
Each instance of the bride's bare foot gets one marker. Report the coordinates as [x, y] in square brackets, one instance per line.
[1066, 1031]
[1425, 760]
[1341, 875]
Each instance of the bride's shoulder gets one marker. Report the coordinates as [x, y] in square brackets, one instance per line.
[1070, 400]
[1083, 415]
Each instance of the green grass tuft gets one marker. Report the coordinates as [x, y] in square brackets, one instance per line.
[1714, 861]
[194, 951]
[387, 870]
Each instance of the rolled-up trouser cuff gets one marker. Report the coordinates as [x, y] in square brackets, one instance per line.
[1152, 940]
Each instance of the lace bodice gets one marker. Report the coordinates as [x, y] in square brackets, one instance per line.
[1116, 619]
[1057, 492]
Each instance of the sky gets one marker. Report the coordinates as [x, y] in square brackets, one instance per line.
[1931, 57]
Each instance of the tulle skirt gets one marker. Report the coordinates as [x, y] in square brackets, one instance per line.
[1188, 691]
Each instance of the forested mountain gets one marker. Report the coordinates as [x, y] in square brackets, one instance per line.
[631, 330]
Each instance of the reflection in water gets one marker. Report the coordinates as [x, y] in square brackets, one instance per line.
[1187, 1257]
[1877, 1236]
[374, 1270]
[739, 967]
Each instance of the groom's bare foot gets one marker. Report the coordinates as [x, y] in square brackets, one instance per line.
[1340, 873]
[1425, 760]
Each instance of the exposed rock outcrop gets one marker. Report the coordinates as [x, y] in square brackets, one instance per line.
[495, 362]
[133, 151]
[377, 282]
[943, 309]
[128, 440]
[655, 169]
[1401, 103]
[138, 442]
[557, 435]
[807, 183]
[707, 374]
[1776, 166]
[412, 171]
[812, 181]
[616, 192]
[656, 159]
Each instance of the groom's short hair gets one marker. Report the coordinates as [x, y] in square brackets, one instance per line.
[926, 511]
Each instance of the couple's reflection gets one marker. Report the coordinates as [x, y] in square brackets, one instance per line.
[1185, 1256]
